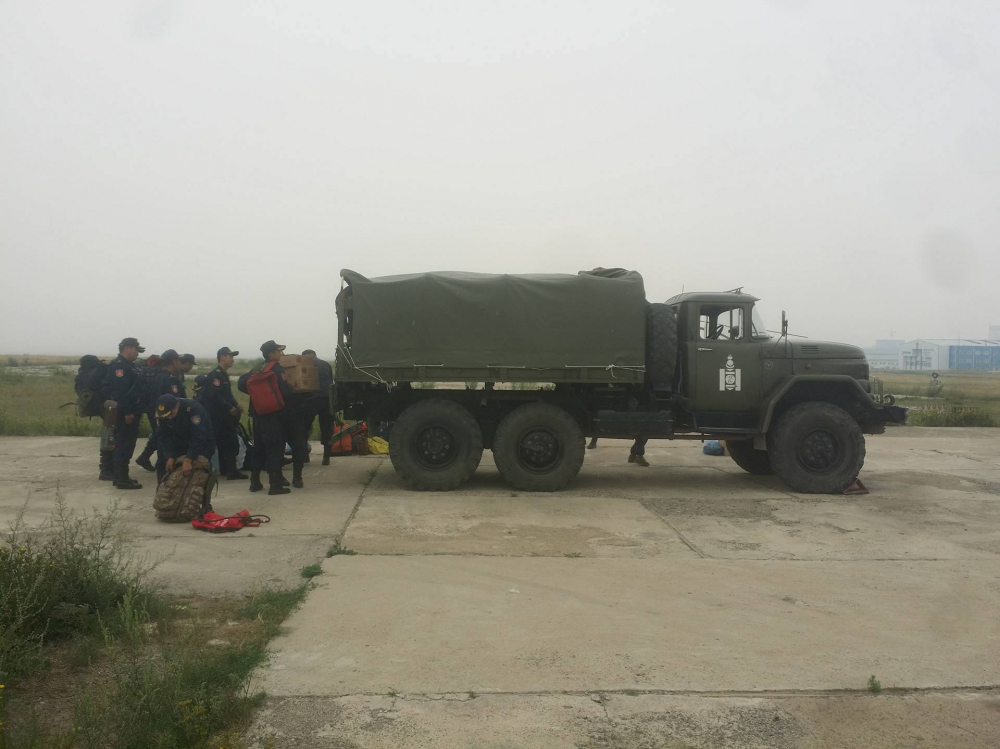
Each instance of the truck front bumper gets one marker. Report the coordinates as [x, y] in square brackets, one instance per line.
[895, 414]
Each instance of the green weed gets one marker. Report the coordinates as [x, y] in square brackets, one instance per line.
[271, 607]
[311, 570]
[150, 682]
[64, 579]
[337, 549]
[874, 685]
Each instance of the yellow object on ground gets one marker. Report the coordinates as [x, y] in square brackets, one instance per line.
[378, 446]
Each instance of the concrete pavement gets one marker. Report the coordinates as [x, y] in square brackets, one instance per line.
[684, 605]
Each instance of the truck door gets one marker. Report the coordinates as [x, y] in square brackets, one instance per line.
[727, 368]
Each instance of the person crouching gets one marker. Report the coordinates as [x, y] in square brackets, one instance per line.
[184, 432]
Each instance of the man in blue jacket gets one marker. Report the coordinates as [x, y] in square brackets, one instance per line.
[124, 386]
[184, 431]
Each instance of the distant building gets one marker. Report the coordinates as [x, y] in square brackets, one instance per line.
[885, 355]
[882, 362]
[938, 354]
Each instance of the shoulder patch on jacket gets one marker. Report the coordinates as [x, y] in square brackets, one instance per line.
[196, 419]
[174, 388]
[216, 382]
[119, 373]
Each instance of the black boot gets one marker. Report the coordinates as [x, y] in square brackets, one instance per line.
[107, 467]
[281, 479]
[276, 487]
[297, 476]
[326, 455]
[143, 460]
[122, 480]
[235, 475]
[255, 485]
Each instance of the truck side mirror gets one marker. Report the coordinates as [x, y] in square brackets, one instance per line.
[784, 325]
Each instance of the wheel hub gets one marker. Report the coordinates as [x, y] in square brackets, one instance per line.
[819, 451]
[435, 448]
[538, 449]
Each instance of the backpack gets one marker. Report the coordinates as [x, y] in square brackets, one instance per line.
[180, 498]
[90, 386]
[147, 373]
[265, 395]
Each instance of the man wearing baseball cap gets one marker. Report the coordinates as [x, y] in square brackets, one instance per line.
[217, 397]
[184, 430]
[125, 388]
[268, 429]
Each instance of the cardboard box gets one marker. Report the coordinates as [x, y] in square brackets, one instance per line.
[303, 379]
[301, 372]
[297, 360]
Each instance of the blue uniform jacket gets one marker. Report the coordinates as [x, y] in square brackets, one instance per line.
[188, 434]
[217, 394]
[125, 386]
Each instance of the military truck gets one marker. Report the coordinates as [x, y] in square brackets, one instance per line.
[528, 366]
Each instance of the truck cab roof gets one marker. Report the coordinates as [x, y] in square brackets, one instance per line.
[722, 297]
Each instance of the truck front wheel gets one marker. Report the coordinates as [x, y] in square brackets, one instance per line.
[435, 445]
[757, 462]
[538, 448]
[817, 448]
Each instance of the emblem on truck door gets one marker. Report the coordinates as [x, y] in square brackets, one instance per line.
[730, 378]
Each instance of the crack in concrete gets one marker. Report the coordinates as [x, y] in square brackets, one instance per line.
[361, 496]
[602, 695]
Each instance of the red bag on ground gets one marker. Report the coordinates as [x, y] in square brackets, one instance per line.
[265, 395]
[343, 437]
[216, 523]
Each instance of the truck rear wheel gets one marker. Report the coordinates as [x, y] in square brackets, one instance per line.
[757, 462]
[661, 346]
[817, 448]
[538, 448]
[435, 445]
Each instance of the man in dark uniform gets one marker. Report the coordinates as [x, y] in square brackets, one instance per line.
[166, 380]
[218, 398]
[125, 388]
[269, 429]
[187, 364]
[184, 429]
[319, 405]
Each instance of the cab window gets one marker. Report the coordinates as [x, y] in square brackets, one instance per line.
[721, 322]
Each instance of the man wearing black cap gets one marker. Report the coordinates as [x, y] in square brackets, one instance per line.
[184, 429]
[167, 380]
[217, 397]
[125, 388]
[268, 429]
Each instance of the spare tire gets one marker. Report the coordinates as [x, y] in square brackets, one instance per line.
[661, 346]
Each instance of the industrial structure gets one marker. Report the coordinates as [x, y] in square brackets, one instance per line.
[936, 354]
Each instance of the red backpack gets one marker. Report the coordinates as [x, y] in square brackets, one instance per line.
[265, 395]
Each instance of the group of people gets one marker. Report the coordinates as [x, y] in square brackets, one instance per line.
[209, 423]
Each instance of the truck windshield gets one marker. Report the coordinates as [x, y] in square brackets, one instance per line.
[758, 329]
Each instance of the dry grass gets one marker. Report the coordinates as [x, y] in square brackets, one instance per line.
[978, 390]
[30, 403]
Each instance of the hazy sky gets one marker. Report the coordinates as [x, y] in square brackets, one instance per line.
[197, 173]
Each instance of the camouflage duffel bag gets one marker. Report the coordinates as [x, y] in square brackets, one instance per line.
[182, 497]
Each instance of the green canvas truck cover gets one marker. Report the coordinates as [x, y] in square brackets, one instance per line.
[595, 319]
